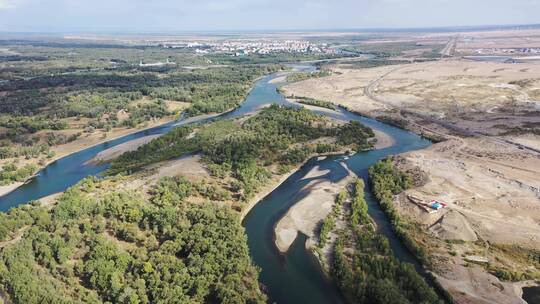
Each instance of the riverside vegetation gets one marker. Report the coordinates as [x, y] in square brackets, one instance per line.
[363, 263]
[113, 99]
[315, 102]
[98, 245]
[53, 94]
[387, 180]
[175, 242]
[246, 153]
[299, 76]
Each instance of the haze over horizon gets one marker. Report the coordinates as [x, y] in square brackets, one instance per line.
[238, 15]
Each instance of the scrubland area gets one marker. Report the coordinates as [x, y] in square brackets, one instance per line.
[142, 233]
[56, 99]
[487, 116]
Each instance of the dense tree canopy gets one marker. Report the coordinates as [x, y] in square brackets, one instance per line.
[276, 135]
[105, 89]
[100, 245]
[365, 267]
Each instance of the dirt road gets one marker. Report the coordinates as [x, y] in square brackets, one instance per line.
[372, 87]
[449, 49]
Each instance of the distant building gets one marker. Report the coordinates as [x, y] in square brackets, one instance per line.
[156, 64]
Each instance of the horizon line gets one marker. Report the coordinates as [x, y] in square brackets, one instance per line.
[298, 30]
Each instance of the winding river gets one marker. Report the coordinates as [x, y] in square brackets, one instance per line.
[291, 278]
[67, 171]
[296, 276]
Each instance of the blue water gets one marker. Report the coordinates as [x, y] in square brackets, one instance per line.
[295, 277]
[68, 170]
[291, 278]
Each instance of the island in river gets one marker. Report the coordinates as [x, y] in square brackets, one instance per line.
[124, 237]
[139, 245]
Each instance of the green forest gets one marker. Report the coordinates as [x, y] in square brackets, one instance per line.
[106, 244]
[57, 88]
[174, 241]
[246, 150]
[93, 95]
[364, 265]
[103, 246]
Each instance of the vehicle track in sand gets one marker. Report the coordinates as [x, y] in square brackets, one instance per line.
[369, 92]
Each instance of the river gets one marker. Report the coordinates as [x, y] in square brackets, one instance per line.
[67, 171]
[296, 276]
[291, 278]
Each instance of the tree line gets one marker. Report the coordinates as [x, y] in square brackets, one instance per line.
[364, 265]
[117, 246]
[387, 181]
[246, 151]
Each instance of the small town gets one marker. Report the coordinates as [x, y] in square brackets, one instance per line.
[519, 51]
[266, 151]
[246, 47]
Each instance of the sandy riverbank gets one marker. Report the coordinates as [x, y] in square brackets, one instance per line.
[8, 188]
[307, 214]
[111, 153]
[202, 117]
[132, 145]
[82, 144]
[270, 186]
[94, 139]
[383, 140]
[114, 152]
[128, 145]
[491, 187]
[279, 79]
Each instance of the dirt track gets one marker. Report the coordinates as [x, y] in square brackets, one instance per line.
[486, 174]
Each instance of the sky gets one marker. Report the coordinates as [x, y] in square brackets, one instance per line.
[133, 16]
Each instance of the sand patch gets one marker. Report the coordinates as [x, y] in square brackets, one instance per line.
[383, 140]
[473, 285]
[529, 140]
[189, 166]
[198, 118]
[307, 213]
[453, 226]
[176, 106]
[114, 152]
[279, 79]
[11, 187]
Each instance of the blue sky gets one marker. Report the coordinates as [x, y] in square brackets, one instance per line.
[208, 15]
